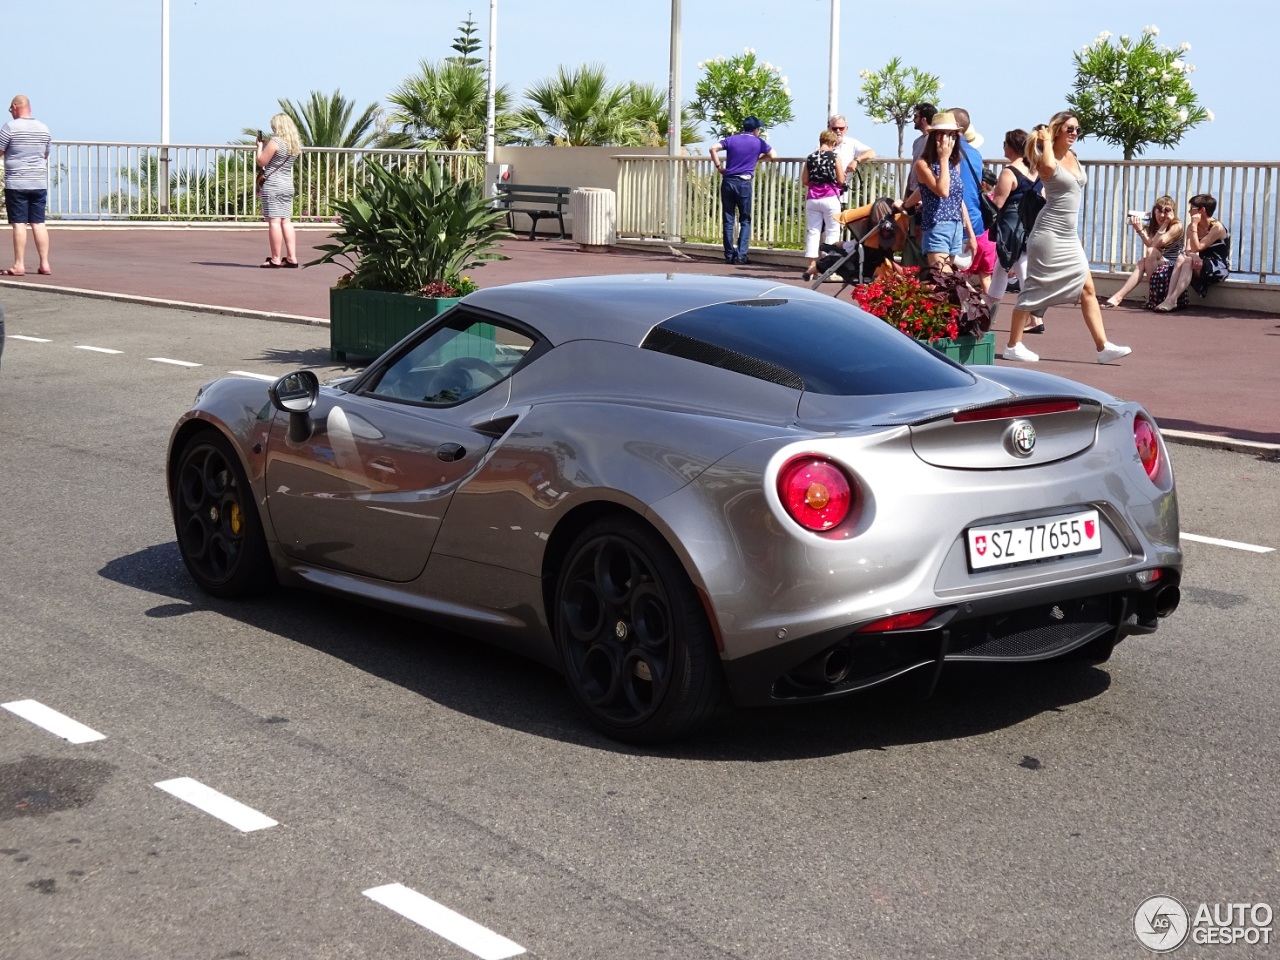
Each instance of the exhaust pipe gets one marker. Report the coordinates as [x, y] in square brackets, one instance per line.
[830, 667]
[1167, 600]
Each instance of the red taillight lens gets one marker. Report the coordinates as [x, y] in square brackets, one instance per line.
[899, 621]
[816, 493]
[1147, 441]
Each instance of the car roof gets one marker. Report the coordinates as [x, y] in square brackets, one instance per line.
[621, 308]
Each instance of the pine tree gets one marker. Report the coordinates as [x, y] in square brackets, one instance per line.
[466, 43]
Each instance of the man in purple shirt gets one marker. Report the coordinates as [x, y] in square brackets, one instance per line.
[742, 151]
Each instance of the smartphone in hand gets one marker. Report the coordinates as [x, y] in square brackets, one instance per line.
[261, 138]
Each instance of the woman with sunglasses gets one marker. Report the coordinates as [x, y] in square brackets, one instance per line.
[1057, 268]
[1162, 239]
[1206, 258]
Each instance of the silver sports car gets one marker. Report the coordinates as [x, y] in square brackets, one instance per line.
[688, 491]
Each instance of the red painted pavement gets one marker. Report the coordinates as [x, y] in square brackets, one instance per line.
[1203, 370]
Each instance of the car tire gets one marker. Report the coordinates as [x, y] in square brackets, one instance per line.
[216, 520]
[637, 649]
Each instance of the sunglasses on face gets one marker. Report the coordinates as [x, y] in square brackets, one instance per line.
[1071, 129]
[1164, 209]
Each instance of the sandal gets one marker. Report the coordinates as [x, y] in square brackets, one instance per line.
[291, 264]
[13, 273]
[269, 264]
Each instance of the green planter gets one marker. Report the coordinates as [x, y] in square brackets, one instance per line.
[969, 350]
[366, 322]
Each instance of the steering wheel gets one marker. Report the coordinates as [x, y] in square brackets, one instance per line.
[456, 380]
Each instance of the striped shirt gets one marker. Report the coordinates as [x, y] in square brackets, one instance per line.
[279, 170]
[25, 143]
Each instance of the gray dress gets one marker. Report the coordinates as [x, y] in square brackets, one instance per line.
[1056, 265]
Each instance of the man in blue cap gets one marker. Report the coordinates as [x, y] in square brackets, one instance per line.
[742, 151]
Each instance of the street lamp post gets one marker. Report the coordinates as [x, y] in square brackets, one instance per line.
[164, 107]
[833, 70]
[490, 123]
[673, 128]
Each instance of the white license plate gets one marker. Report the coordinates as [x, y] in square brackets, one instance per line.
[1034, 540]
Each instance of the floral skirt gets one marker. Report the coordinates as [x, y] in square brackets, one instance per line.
[1158, 287]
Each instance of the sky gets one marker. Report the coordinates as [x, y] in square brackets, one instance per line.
[93, 72]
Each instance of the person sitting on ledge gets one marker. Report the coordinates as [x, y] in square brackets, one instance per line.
[1206, 256]
[1161, 235]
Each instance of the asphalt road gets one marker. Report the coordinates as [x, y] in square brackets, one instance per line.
[1019, 813]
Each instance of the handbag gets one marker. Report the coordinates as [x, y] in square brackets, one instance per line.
[1029, 209]
[990, 212]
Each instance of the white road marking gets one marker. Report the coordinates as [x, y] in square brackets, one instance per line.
[97, 349]
[1233, 544]
[216, 804]
[18, 336]
[176, 363]
[255, 376]
[439, 919]
[56, 723]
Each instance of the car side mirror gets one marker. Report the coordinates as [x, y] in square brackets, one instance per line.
[295, 394]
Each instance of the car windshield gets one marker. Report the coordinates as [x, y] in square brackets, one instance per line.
[454, 363]
[821, 346]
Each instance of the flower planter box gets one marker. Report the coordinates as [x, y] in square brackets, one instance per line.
[969, 350]
[365, 323]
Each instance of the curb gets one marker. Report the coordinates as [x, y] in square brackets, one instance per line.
[1269, 451]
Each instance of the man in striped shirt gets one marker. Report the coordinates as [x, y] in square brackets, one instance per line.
[25, 143]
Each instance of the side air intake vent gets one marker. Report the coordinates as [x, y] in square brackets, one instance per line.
[678, 345]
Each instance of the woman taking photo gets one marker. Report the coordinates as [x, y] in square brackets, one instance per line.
[1057, 268]
[1162, 239]
[1207, 256]
[276, 158]
[945, 221]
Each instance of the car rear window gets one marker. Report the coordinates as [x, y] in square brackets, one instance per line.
[822, 346]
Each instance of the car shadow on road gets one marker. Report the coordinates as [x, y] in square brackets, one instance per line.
[491, 684]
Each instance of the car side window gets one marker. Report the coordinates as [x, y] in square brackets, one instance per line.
[455, 363]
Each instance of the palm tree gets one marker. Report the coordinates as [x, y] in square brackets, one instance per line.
[579, 108]
[445, 107]
[649, 108]
[324, 120]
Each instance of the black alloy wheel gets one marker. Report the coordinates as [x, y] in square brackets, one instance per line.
[636, 645]
[219, 531]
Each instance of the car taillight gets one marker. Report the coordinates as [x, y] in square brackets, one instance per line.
[816, 493]
[899, 621]
[1147, 441]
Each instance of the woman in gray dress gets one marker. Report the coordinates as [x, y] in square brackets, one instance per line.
[1057, 268]
[276, 157]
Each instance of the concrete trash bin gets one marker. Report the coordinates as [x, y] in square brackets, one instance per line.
[595, 217]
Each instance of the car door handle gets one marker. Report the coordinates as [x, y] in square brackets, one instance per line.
[449, 452]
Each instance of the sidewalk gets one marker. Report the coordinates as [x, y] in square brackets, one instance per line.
[1202, 371]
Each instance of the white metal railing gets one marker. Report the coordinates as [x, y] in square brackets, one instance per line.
[1246, 195]
[130, 182]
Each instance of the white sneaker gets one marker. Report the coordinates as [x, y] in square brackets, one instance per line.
[1111, 352]
[1019, 351]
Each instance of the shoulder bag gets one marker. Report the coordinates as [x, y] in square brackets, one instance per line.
[990, 212]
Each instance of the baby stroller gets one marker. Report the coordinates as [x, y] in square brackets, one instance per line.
[875, 233]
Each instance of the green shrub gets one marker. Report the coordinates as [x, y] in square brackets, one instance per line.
[403, 230]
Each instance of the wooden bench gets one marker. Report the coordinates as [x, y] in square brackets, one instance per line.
[535, 202]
